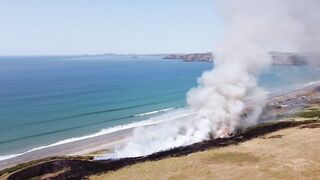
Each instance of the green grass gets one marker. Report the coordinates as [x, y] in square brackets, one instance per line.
[314, 113]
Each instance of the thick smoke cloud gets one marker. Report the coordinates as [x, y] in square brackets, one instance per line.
[228, 96]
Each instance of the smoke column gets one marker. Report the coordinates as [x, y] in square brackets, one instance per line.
[228, 96]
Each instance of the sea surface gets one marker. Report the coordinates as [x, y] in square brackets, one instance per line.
[45, 100]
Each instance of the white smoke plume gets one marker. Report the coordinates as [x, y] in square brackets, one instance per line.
[228, 96]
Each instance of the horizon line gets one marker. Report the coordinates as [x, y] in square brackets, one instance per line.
[101, 54]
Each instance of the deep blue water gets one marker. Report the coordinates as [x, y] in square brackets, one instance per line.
[47, 99]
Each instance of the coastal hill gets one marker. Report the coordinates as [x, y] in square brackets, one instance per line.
[284, 147]
[280, 150]
[278, 58]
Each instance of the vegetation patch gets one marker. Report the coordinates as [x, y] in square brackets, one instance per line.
[314, 113]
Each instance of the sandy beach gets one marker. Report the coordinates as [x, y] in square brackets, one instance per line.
[279, 105]
[82, 147]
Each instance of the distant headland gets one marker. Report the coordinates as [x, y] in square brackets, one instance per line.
[191, 57]
[278, 58]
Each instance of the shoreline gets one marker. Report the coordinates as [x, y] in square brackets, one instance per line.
[112, 139]
[80, 147]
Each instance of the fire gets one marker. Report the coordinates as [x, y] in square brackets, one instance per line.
[225, 133]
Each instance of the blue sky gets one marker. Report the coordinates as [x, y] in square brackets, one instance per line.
[48, 27]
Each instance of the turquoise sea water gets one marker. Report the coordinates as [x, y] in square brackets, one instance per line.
[44, 100]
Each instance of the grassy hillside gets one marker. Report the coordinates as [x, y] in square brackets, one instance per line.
[286, 154]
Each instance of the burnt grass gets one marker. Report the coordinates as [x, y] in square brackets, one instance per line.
[81, 169]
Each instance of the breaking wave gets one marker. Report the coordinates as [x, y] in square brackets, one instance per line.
[155, 112]
[159, 119]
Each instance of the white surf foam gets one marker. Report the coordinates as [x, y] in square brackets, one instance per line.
[155, 112]
[159, 119]
[311, 83]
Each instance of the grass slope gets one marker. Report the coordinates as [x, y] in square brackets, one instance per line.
[292, 153]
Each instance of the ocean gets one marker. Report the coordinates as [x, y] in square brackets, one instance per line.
[50, 99]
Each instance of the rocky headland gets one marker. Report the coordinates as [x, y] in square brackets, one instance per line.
[206, 57]
[278, 58]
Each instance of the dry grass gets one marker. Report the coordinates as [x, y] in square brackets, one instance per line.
[293, 154]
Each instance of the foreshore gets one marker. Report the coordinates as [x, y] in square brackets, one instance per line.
[281, 105]
[81, 147]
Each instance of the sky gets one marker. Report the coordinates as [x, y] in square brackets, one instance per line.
[58, 27]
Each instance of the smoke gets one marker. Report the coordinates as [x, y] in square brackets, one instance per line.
[228, 97]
